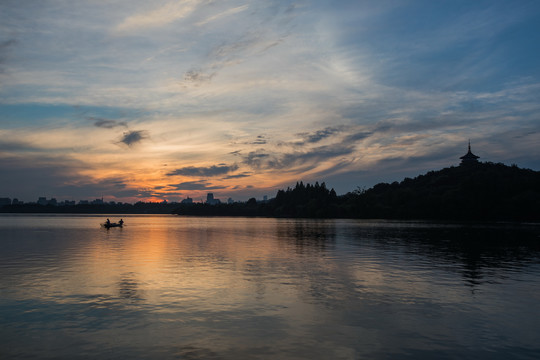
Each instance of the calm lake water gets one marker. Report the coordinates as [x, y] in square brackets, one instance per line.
[238, 288]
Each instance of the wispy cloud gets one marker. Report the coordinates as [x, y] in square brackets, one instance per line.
[305, 159]
[133, 137]
[163, 15]
[197, 77]
[255, 159]
[237, 176]
[5, 47]
[17, 146]
[7, 44]
[196, 186]
[223, 14]
[357, 136]
[106, 123]
[310, 158]
[260, 140]
[214, 170]
[319, 134]
[60, 177]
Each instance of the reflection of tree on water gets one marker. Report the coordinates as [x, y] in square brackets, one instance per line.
[308, 235]
[190, 352]
[489, 254]
[319, 278]
[299, 263]
[128, 287]
[255, 270]
[485, 252]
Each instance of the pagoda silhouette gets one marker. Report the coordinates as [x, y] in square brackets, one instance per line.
[469, 157]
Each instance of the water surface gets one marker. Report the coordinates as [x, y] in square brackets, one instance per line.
[242, 288]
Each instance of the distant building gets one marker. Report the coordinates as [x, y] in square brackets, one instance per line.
[43, 201]
[230, 201]
[84, 202]
[17, 202]
[469, 157]
[187, 200]
[98, 202]
[210, 199]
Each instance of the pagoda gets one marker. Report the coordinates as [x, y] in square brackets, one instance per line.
[469, 157]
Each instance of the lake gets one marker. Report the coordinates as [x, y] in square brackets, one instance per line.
[254, 288]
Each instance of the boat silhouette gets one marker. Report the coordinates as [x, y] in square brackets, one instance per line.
[109, 224]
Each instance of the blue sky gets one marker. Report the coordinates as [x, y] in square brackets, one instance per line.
[138, 100]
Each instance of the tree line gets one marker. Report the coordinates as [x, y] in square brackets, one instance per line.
[480, 191]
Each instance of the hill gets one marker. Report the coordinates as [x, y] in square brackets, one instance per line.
[479, 191]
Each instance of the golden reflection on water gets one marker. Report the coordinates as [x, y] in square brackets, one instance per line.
[215, 263]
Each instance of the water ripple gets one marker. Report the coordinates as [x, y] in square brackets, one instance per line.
[218, 288]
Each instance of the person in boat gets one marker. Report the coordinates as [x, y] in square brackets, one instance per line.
[121, 222]
[108, 222]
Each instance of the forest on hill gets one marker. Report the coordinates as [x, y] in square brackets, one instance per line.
[479, 191]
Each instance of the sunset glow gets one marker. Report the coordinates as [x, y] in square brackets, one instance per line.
[163, 100]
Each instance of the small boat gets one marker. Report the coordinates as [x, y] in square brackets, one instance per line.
[110, 225]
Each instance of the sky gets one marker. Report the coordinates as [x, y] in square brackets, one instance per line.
[163, 100]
